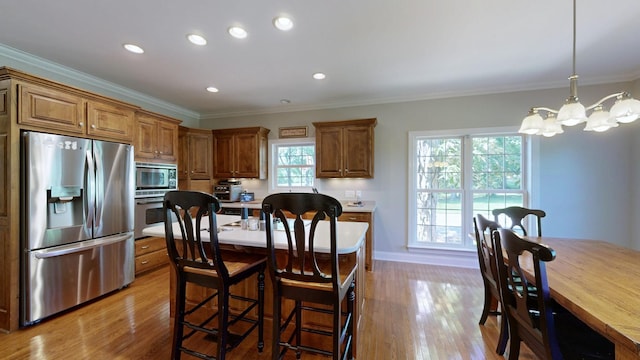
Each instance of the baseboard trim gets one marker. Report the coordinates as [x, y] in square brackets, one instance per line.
[461, 259]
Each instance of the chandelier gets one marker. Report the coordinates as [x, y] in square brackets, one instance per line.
[624, 110]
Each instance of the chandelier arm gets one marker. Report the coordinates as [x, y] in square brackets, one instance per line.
[605, 99]
[545, 109]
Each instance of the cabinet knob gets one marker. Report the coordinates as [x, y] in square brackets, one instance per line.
[160, 152]
[144, 262]
[144, 247]
[80, 124]
[93, 126]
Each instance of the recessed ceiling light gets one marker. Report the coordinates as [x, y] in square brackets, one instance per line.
[212, 89]
[319, 76]
[133, 48]
[283, 23]
[197, 39]
[237, 32]
[285, 101]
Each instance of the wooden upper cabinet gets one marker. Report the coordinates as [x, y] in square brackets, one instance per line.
[50, 109]
[156, 138]
[345, 149]
[240, 153]
[223, 164]
[110, 121]
[68, 112]
[200, 147]
[196, 146]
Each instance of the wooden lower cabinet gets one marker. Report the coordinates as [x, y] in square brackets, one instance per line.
[249, 288]
[368, 218]
[151, 253]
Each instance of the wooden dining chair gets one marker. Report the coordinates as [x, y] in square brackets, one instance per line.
[203, 263]
[516, 215]
[486, 258]
[550, 331]
[316, 282]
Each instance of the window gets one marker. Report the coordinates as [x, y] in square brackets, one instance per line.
[293, 165]
[456, 176]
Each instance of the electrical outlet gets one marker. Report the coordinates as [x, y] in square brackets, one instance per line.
[349, 194]
[358, 194]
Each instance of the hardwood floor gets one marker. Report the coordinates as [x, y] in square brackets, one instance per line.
[412, 312]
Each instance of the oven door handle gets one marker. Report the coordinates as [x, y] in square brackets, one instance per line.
[150, 201]
[83, 246]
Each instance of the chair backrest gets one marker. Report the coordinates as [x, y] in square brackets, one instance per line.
[530, 316]
[517, 213]
[300, 260]
[189, 208]
[486, 256]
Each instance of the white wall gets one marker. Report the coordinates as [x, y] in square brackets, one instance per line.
[584, 180]
[594, 174]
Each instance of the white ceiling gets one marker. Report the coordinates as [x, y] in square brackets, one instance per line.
[371, 50]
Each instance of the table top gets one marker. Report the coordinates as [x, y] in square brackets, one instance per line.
[350, 235]
[599, 282]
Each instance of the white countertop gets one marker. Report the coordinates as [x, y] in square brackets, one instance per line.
[367, 206]
[350, 235]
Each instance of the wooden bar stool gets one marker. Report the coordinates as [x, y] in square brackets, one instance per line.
[204, 264]
[307, 277]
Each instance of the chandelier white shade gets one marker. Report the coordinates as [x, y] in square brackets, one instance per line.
[625, 109]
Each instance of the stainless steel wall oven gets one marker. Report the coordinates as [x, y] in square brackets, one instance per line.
[152, 182]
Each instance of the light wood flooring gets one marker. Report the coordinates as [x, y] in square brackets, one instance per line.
[411, 312]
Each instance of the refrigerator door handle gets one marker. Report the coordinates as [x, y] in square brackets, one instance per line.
[83, 246]
[99, 191]
[89, 193]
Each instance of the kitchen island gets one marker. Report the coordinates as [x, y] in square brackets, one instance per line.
[351, 247]
[351, 211]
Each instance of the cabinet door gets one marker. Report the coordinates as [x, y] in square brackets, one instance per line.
[358, 151]
[146, 135]
[200, 148]
[110, 122]
[167, 141]
[368, 218]
[247, 158]
[50, 109]
[329, 152]
[183, 159]
[223, 166]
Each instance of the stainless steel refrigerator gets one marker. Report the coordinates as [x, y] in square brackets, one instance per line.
[77, 221]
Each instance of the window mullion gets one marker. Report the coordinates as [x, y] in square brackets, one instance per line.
[467, 189]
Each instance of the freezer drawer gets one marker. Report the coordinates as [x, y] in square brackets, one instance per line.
[61, 277]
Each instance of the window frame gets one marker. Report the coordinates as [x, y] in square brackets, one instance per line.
[468, 242]
[273, 168]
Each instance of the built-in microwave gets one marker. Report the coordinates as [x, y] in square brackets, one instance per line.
[152, 178]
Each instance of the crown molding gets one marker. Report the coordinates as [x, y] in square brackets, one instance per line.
[41, 67]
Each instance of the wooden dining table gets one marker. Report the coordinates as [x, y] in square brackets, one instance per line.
[599, 282]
